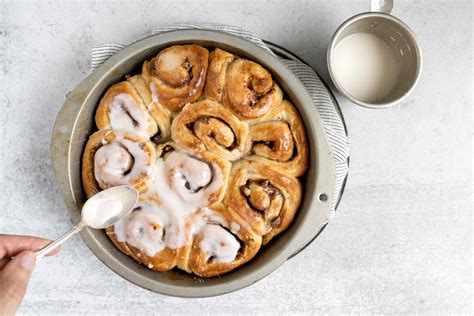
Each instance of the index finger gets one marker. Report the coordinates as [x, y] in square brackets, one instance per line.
[11, 245]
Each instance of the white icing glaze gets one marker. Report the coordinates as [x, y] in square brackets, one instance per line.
[99, 212]
[181, 188]
[234, 227]
[219, 244]
[185, 183]
[154, 93]
[169, 61]
[189, 177]
[112, 162]
[126, 115]
[201, 218]
[149, 228]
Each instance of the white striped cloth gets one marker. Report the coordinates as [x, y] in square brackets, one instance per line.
[332, 122]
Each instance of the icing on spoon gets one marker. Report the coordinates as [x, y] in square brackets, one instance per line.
[100, 211]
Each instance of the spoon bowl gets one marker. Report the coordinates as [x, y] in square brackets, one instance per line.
[100, 211]
[109, 206]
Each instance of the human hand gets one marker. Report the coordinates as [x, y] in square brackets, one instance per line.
[15, 272]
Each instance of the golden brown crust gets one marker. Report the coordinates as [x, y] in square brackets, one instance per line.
[89, 182]
[164, 260]
[178, 74]
[278, 139]
[250, 90]
[128, 110]
[207, 125]
[219, 61]
[194, 259]
[266, 199]
[106, 137]
[157, 111]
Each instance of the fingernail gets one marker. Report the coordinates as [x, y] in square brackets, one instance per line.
[28, 260]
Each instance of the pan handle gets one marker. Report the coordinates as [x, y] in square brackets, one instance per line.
[384, 6]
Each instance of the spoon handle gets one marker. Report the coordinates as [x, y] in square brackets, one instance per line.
[43, 252]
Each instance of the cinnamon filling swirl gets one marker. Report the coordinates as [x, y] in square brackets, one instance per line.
[265, 198]
[178, 75]
[278, 139]
[250, 90]
[212, 129]
[273, 140]
[207, 125]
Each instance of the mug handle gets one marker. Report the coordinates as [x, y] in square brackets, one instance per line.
[384, 6]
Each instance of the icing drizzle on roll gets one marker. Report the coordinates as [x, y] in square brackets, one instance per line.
[124, 160]
[182, 185]
[185, 183]
[219, 244]
[123, 108]
[125, 115]
[147, 228]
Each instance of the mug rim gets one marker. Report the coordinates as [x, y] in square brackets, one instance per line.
[331, 49]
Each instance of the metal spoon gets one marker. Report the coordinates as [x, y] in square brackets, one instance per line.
[100, 211]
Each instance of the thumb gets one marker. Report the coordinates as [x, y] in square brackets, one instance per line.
[14, 279]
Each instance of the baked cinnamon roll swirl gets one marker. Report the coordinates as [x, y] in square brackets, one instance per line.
[219, 61]
[114, 158]
[157, 111]
[249, 89]
[122, 108]
[219, 242]
[278, 139]
[266, 199]
[192, 180]
[149, 234]
[178, 74]
[207, 125]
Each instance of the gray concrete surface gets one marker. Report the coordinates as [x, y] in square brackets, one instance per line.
[401, 241]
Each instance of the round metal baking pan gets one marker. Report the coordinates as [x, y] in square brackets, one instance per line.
[75, 123]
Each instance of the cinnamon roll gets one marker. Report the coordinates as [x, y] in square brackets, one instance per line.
[114, 158]
[158, 112]
[207, 125]
[122, 108]
[219, 61]
[189, 180]
[278, 139]
[267, 199]
[177, 75]
[249, 89]
[219, 241]
[149, 234]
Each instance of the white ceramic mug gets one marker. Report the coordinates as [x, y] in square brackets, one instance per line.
[352, 61]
